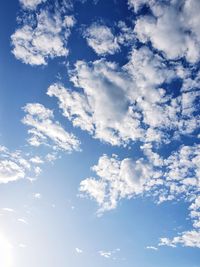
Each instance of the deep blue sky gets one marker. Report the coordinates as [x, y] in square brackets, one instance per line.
[46, 223]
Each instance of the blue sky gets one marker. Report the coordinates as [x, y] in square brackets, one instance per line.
[99, 133]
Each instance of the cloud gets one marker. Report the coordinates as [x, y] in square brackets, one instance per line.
[15, 166]
[79, 251]
[31, 4]
[10, 171]
[37, 160]
[188, 239]
[161, 31]
[105, 254]
[109, 254]
[137, 4]
[131, 103]
[44, 130]
[161, 178]
[118, 179]
[37, 196]
[45, 38]
[101, 39]
[102, 107]
[152, 248]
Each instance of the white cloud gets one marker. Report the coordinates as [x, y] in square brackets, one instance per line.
[34, 45]
[105, 254]
[137, 4]
[37, 196]
[101, 39]
[102, 107]
[15, 166]
[152, 248]
[188, 239]
[175, 40]
[79, 251]
[37, 160]
[31, 4]
[164, 179]
[129, 104]
[109, 254]
[118, 179]
[149, 70]
[44, 130]
[10, 171]
[51, 157]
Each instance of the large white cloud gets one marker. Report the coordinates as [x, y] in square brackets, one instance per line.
[35, 44]
[175, 40]
[102, 107]
[45, 130]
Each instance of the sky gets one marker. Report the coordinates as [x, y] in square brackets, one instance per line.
[99, 133]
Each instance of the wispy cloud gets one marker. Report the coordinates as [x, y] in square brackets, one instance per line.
[45, 130]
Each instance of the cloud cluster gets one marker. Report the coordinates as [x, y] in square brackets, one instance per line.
[45, 130]
[176, 176]
[118, 106]
[42, 37]
[168, 178]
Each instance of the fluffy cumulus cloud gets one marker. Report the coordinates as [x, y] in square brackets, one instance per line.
[175, 40]
[102, 107]
[101, 39]
[105, 40]
[31, 4]
[42, 36]
[176, 176]
[45, 130]
[119, 105]
[15, 166]
[118, 179]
